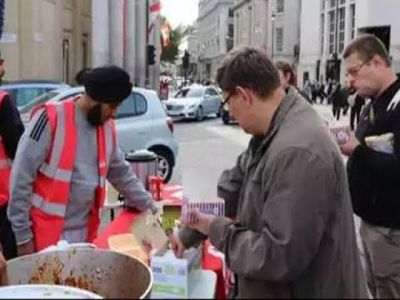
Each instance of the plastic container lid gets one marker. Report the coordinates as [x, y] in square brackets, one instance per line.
[141, 156]
[45, 292]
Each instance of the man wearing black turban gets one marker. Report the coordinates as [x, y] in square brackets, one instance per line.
[106, 88]
[43, 146]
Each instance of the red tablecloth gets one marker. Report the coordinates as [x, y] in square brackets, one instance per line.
[122, 224]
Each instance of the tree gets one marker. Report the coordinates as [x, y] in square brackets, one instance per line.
[170, 53]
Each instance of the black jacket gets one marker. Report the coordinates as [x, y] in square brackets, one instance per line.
[11, 127]
[374, 177]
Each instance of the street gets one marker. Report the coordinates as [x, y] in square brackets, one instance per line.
[209, 147]
[205, 150]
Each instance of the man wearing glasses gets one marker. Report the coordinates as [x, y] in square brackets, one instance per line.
[374, 170]
[293, 233]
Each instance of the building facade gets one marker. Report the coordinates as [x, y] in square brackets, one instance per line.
[270, 25]
[122, 29]
[327, 26]
[46, 39]
[215, 35]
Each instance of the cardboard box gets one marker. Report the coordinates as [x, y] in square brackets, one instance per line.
[174, 278]
[146, 237]
[216, 208]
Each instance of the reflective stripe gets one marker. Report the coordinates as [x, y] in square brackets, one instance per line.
[103, 181]
[48, 207]
[59, 137]
[5, 163]
[55, 173]
[109, 139]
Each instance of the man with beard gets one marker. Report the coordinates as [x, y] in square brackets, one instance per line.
[11, 129]
[63, 161]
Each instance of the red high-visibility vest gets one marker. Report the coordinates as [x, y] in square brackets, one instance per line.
[51, 189]
[5, 166]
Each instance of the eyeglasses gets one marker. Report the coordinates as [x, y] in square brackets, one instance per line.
[354, 72]
[226, 100]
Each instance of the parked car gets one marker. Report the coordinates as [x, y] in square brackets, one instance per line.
[141, 123]
[194, 102]
[22, 92]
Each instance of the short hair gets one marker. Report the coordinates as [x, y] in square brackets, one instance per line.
[367, 46]
[248, 68]
[286, 68]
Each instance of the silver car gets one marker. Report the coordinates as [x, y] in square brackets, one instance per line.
[141, 124]
[194, 102]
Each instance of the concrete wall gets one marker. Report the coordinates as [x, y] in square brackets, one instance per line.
[33, 37]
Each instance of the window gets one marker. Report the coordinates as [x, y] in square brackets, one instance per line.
[140, 103]
[323, 5]
[23, 96]
[342, 14]
[211, 92]
[332, 32]
[230, 13]
[342, 2]
[352, 21]
[280, 6]
[332, 4]
[279, 39]
[190, 93]
[134, 105]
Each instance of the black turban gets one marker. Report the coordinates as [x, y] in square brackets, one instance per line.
[109, 84]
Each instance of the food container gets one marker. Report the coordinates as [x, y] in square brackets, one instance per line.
[144, 164]
[45, 292]
[103, 272]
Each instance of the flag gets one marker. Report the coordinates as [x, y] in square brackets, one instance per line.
[165, 33]
[154, 12]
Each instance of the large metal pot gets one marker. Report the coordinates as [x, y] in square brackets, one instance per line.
[106, 273]
[144, 164]
[33, 291]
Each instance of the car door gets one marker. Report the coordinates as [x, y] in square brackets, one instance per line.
[208, 101]
[214, 100]
[133, 123]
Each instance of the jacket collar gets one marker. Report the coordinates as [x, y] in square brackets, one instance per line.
[277, 121]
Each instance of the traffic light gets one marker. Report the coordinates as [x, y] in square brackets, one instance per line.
[185, 60]
[151, 55]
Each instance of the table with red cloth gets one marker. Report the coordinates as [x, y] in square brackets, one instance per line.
[127, 217]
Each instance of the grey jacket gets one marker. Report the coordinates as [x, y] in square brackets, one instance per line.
[32, 151]
[294, 234]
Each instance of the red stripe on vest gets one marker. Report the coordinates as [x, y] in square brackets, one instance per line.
[5, 171]
[47, 228]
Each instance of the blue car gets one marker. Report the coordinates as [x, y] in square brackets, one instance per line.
[23, 92]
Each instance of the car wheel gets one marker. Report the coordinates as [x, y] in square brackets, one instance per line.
[225, 118]
[165, 163]
[219, 112]
[200, 114]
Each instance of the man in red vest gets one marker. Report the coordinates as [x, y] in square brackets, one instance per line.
[11, 129]
[64, 158]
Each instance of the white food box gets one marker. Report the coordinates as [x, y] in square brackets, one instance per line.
[175, 278]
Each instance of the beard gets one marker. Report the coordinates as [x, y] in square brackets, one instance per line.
[94, 116]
